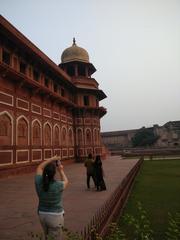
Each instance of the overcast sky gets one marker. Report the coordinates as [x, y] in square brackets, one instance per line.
[134, 45]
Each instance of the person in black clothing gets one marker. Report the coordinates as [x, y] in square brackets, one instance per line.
[100, 184]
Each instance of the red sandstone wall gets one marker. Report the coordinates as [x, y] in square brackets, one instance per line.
[31, 131]
[37, 122]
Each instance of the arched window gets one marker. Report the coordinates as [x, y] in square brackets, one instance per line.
[36, 133]
[95, 136]
[88, 137]
[56, 137]
[64, 136]
[5, 129]
[79, 136]
[70, 137]
[98, 136]
[22, 131]
[47, 134]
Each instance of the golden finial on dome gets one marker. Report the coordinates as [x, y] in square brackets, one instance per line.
[74, 41]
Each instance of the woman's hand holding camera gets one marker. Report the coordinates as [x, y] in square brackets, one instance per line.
[55, 158]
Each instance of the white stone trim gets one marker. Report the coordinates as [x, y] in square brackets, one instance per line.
[58, 115]
[22, 150]
[12, 97]
[70, 120]
[80, 149]
[12, 121]
[58, 149]
[33, 104]
[25, 109]
[50, 112]
[88, 148]
[64, 149]
[6, 164]
[45, 150]
[36, 150]
[64, 121]
[70, 149]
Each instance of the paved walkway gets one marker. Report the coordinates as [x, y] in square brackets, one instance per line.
[18, 200]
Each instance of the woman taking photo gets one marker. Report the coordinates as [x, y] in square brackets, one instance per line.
[49, 191]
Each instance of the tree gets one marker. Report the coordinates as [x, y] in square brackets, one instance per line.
[144, 137]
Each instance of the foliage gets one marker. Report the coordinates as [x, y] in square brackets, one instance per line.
[69, 235]
[115, 233]
[139, 225]
[156, 186]
[173, 232]
[144, 137]
[35, 236]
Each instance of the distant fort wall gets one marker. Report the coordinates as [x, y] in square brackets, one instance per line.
[168, 138]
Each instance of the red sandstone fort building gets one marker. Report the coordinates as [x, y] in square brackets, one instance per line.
[45, 109]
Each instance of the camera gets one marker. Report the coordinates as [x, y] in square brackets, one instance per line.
[58, 162]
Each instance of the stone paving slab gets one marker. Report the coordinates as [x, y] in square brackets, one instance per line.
[18, 200]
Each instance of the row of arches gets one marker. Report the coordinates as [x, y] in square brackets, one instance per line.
[51, 135]
[88, 137]
[45, 134]
[40, 134]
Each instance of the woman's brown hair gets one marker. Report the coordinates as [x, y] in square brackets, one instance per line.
[48, 175]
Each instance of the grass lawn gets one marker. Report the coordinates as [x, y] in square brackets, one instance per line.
[157, 187]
